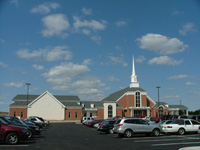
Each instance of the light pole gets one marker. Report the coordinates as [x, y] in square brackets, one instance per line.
[27, 93]
[158, 101]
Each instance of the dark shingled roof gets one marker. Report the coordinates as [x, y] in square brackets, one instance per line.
[115, 96]
[21, 100]
[87, 104]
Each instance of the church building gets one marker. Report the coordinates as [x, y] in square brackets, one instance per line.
[127, 102]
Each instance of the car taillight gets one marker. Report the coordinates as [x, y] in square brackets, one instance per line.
[169, 126]
[119, 125]
[101, 127]
[199, 127]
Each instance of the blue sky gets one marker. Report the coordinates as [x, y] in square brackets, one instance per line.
[85, 48]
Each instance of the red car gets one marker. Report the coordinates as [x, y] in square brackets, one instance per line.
[91, 124]
[11, 133]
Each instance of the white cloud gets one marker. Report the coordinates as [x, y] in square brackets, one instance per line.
[165, 60]
[140, 59]
[87, 11]
[14, 84]
[16, 2]
[73, 78]
[56, 25]
[45, 8]
[112, 79]
[178, 77]
[90, 25]
[96, 39]
[190, 83]
[3, 65]
[170, 97]
[189, 27]
[120, 23]
[161, 44]
[117, 60]
[87, 62]
[48, 54]
[37, 67]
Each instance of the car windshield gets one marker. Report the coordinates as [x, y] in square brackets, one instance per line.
[2, 121]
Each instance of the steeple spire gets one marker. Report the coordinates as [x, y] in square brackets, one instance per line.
[134, 82]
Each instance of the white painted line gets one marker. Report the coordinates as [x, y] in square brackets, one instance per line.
[175, 143]
[166, 140]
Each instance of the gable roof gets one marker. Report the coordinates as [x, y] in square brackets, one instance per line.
[115, 96]
[67, 101]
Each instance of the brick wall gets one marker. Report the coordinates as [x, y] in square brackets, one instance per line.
[73, 114]
[18, 112]
[100, 113]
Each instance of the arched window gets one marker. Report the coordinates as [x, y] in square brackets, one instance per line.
[161, 111]
[137, 96]
[110, 111]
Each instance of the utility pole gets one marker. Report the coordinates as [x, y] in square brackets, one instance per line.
[158, 101]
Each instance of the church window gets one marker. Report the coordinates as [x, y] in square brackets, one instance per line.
[137, 99]
[110, 111]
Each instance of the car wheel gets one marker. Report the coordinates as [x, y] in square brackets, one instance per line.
[12, 138]
[156, 132]
[128, 133]
[181, 131]
[30, 133]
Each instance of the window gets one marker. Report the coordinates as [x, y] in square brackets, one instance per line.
[76, 115]
[21, 114]
[90, 114]
[69, 115]
[194, 122]
[137, 99]
[14, 114]
[161, 111]
[85, 115]
[187, 122]
[110, 111]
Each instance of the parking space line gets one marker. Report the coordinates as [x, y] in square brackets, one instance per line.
[175, 143]
[165, 140]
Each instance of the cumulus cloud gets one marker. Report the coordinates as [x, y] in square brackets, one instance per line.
[112, 79]
[37, 67]
[14, 84]
[161, 44]
[87, 62]
[3, 65]
[73, 78]
[118, 60]
[48, 54]
[45, 8]
[120, 23]
[90, 25]
[165, 60]
[86, 11]
[55, 25]
[140, 59]
[178, 77]
[189, 27]
[190, 83]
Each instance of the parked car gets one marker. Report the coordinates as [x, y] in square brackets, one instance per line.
[156, 119]
[96, 125]
[35, 120]
[165, 122]
[32, 129]
[106, 126]
[197, 118]
[115, 127]
[199, 130]
[91, 123]
[11, 133]
[127, 127]
[86, 119]
[181, 126]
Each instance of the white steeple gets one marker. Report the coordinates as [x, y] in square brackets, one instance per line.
[134, 82]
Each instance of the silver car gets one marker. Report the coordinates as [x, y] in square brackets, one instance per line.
[129, 126]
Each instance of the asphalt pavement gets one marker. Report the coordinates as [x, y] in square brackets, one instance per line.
[75, 136]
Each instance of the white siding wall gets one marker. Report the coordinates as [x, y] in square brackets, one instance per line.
[106, 109]
[48, 108]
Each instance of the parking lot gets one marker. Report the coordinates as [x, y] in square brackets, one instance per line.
[75, 136]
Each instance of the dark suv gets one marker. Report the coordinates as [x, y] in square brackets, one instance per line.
[11, 133]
